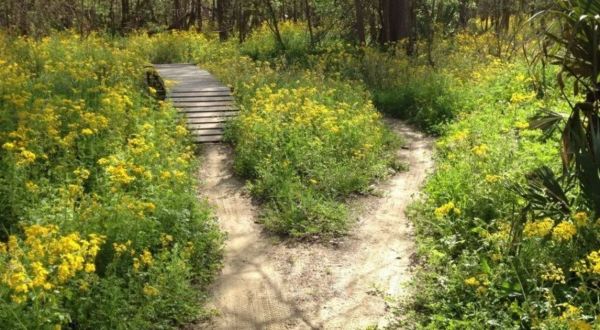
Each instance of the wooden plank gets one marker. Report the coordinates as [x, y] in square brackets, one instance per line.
[185, 104]
[195, 98]
[210, 114]
[207, 120]
[205, 109]
[208, 138]
[204, 101]
[192, 89]
[197, 94]
[207, 132]
[199, 126]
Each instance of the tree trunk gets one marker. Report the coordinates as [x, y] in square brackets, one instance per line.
[463, 14]
[176, 14]
[221, 7]
[505, 15]
[385, 21]
[275, 24]
[399, 19]
[124, 14]
[360, 22]
[199, 14]
[309, 22]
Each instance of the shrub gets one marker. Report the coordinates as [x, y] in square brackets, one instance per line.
[305, 148]
[486, 261]
[98, 173]
[263, 46]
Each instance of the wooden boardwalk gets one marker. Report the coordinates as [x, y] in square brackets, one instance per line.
[206, 102]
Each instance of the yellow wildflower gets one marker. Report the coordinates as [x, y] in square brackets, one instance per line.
[87, 132]
[90, 268]
[136, 264]
[150, 290]
[579, 325]
[522, 125]
[570, 312]
[103, 161]
[564, 231]
[18, 299]
[31, 187]
[472, 281]
[580, 219]
[553, 273]
[82, 173]
[480, 150]
[521, 97]
[27, 157]
[8, 146]
[492, 178]
[446, 209]
[181, 130]
[119, 174]
[165, 239]
[539, 228]
[146, 257]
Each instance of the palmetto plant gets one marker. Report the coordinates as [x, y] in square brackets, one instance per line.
[575, 36]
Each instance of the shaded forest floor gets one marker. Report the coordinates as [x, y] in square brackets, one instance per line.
[269, 283]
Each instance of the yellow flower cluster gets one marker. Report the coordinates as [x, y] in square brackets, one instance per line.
[446, 209]
[570, 312]
[564, 231]
[553, 273]
[480, 150]
[519, 97]
[149, 290]
[122, 172]
[479, 284]
[45, 260]
[581, 219]
[145, 258]
[538, 228]
[472, 281]
[490, 178]
[589, 265]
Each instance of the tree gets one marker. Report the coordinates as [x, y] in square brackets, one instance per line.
[360, 21]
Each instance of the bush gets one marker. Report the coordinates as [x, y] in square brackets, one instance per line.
[102, 225]
[485, 260]
[305, 149]
[262, 45]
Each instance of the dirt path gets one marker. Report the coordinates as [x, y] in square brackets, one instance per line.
[269, 284]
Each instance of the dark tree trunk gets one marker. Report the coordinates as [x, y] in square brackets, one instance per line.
[505, 15]
[399, 12]
[360, 21]
[176, 24]
[124, 15]
[463, 14]
[309, 21]
[385, 21]
[373, 25]
[221, 7]
[275, 23]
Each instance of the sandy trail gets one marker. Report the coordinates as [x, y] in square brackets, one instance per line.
[270, 284]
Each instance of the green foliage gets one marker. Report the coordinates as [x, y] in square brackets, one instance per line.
[577, 53]
[485, 260]
[101, 223]
[305, 141]
[261, 44]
